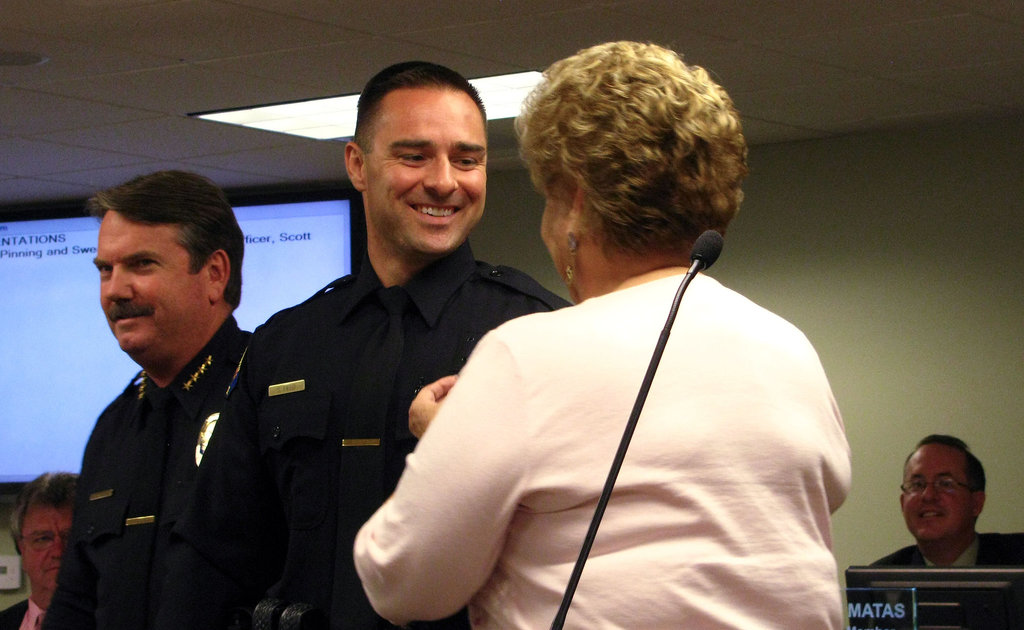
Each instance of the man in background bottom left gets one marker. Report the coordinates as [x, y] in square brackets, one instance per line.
[39, 525]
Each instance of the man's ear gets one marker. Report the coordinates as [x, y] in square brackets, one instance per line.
[355, 164]
[217, 270]
[978, 499]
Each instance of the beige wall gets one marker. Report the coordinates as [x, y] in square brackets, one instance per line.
[7, 549]
[897, 253]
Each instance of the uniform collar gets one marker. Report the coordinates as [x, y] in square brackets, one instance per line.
[429, 290]
[194, 382]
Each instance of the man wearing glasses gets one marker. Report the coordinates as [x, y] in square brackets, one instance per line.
[39, 525]
[943, 493]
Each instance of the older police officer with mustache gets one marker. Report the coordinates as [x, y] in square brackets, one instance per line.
[169, 259]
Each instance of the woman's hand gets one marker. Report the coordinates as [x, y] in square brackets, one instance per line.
[427, 403]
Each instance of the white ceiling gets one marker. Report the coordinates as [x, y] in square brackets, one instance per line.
[112, 100]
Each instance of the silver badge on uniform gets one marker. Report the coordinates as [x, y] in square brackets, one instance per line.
[205, 434]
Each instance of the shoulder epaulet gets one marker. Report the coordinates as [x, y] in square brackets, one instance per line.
[521, 282]
[340, 282]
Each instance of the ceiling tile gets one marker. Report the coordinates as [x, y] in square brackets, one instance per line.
[30, 112]
[20, 190]
[848, 106]
[180, 89]
[752, 22]
[312, 160]
[384, 18]
[68, 59]
[344, 68]
[91, 180]
[535, 43]
[170, 138]
[890, 50]
[186, 31]
[27, 158]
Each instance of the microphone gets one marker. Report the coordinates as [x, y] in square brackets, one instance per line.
[707, 248]
[705, 252]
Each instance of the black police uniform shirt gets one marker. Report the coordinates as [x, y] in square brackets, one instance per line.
[138, 470]
[279, 500]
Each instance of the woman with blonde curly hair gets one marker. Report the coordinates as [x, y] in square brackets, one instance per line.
[720, 517]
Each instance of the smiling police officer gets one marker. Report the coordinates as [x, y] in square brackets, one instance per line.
[315, 435]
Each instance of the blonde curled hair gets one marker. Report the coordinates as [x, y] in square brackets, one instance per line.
[656, 145]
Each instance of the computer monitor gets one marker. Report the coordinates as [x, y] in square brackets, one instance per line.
[955, 598]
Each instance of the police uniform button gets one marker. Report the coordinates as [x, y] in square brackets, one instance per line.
[495, 273]
[89, 530]
[276, 433]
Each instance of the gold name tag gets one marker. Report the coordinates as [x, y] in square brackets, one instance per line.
[361, 442]
[102, 494]
[286, 388]
[139, 520]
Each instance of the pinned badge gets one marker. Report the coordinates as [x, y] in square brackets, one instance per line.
[234, 377]
[205, 434]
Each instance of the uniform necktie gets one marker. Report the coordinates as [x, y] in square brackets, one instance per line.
[365, 442]
[146, 483]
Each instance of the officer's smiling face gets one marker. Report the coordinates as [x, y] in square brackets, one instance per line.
[424, 181]
[155, 305]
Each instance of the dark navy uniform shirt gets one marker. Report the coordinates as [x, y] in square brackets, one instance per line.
[274, 510]
[137, 474]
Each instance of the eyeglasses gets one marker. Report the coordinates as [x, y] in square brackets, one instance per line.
[946, 485]
[41, 541]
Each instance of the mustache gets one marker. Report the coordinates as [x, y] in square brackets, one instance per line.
[127, 310]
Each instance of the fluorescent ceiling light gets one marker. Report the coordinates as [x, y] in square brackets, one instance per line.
[334, 118]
